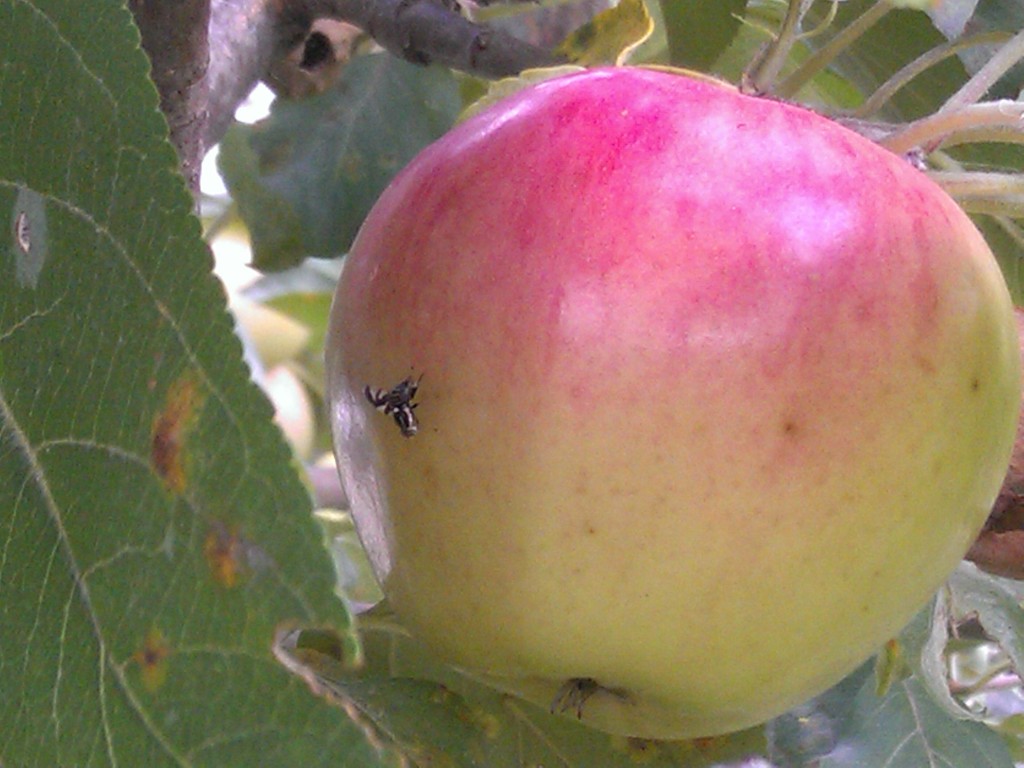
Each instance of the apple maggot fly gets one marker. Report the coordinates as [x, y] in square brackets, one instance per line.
[397, 403]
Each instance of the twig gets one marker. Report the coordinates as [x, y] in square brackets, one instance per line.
[247, 36]
[1005, 134]
[1012, 229]
[925, 61]
[986, 77]
[980, 183]
[175, 37]
[933, 130]
[1006, 206]
[764, 69]
[429, 31]
[824, 55]
[244, 41]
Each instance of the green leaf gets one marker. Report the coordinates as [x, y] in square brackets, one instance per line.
[304, 294]
[900, 37]
[610, 36]
[810, 731]
[507, 86]
[924, 641]
[152, 533]
[433, 715]
[906, 729]
[698, 31]
[305, 177]
[996, 603]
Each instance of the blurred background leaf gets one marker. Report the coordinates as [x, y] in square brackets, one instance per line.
[153, 533]
[699, 32]
[610, 36]
[305, 177]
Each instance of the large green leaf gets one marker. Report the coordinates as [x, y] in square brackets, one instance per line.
[905, 728]
[610, 37]
[153, 535]
[305, 177]
[698, 31]
[433, 715]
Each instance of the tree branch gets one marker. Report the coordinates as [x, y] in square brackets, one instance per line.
[175, 37]
[244, 42]
[430, 31]
[248, 36]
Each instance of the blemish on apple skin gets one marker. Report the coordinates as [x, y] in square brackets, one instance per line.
[170, 431]
[582, 486]
[925, 364]
[152, 660]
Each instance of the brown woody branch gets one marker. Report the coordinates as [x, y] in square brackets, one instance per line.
[430, 31]
[248, 36]
[207, 55]
[175, 36]
[244, 43]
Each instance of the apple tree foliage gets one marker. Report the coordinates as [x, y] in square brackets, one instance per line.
[166, 597]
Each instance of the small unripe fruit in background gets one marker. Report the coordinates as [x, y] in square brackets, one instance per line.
[715, 393]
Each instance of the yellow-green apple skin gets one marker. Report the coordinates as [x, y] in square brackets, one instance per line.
[715, 394]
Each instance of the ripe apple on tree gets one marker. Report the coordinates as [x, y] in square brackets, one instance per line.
[715, 393]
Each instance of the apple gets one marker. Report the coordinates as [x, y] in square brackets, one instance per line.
[663, 405]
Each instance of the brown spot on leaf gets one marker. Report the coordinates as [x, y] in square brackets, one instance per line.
[152, 660]
[479, 719]
[640, 751]
[170, 431]
[230, 556]
[225, 554]
[706, 743]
